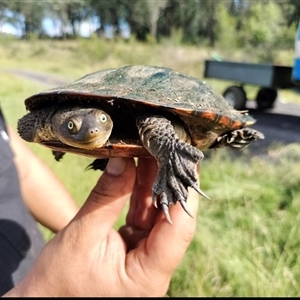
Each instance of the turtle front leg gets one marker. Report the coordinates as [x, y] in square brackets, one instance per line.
[238, 139]
[176, 162]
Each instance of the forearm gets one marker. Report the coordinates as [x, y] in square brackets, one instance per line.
[45, 196]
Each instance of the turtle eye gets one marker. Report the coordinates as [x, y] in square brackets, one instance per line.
[103, 118]
[72, 127]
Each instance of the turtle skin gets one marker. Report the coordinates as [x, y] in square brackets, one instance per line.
[149, 111]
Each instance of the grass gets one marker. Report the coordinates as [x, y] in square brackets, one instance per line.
[248, 235]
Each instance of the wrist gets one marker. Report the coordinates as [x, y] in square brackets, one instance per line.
[28, 287]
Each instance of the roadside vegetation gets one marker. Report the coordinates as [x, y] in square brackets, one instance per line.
[248, 235]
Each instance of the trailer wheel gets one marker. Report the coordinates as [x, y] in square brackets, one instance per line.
[266, 98]
[236, 96]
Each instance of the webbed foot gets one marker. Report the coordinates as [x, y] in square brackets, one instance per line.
[238, 139]
[176, 160]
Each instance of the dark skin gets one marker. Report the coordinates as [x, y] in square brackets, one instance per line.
[90, 258]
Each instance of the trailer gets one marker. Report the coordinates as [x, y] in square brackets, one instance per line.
[268, 77]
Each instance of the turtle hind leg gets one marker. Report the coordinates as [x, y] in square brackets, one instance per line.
[238, 139]
[98, 164]
[176, 162]
[58, 154]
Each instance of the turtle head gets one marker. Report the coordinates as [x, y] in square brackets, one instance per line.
[85, 128]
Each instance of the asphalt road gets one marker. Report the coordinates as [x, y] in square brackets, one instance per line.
[279, 125]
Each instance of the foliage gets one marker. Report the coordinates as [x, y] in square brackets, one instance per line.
[264, 32]
[225, 29]
[263, 23]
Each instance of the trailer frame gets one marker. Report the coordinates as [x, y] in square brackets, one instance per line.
[268, 77]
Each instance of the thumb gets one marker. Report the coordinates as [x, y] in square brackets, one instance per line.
[107, 199]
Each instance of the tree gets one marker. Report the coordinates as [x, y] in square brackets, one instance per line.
[291, 11]
[239, 9]
[111, 12]
[189, 16]
[136, 16]
[210, 8]
[3, 14]
[154, 10]
[29, 14]
[76, 12]
[57, 11]
[264, 31]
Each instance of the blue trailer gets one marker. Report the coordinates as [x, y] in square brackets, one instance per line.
[268, 77]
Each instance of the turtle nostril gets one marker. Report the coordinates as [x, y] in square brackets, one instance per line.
[93, 131]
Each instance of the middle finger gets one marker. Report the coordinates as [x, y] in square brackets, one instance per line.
[142, 213]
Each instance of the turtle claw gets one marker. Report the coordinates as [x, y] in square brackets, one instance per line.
[164, 205]
[154, 200]
[165, 209]
[196, 188]
[185, 207]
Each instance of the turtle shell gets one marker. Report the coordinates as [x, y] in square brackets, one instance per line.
[127, 92]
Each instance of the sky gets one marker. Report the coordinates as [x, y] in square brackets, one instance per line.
[85, 28]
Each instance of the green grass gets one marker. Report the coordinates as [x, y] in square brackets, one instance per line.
[247, 238]
[248, 235]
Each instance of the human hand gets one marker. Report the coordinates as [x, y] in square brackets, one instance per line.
[90, 258]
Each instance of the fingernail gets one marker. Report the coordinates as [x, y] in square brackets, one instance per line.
[116, 166]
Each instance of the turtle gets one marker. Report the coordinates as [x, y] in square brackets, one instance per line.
[139, 111]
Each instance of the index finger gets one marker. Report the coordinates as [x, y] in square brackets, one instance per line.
[105, 202]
